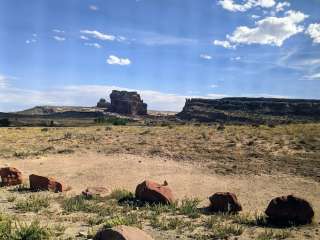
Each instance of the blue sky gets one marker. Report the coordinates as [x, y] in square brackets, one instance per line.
[72, 52]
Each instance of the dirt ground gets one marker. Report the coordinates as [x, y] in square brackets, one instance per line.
[187, 180]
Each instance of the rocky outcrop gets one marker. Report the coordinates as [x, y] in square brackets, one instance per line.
[122, 233]
[289, 209]
[129, 103]
[40, 183]
[10, 176]
[152, 192]
[248, 109]
[103, 104]
[225, 202]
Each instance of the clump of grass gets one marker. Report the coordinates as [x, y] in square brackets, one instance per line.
[11, 198]
[33, 203]
[223, 231]
[119, 194]
[13, 230]
[272, 235]
[257, 219]
[131, 219]
[168, 223]
[79, 204]
[161, 208]
[189, 207]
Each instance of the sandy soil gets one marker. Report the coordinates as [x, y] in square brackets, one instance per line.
[187, 180]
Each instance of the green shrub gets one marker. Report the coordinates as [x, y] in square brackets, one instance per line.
[189, 207]
[112, 120]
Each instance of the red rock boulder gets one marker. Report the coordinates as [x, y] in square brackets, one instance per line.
[91, 192]
[153, 192]
[290, 209]
[225, 202]
[122, 233]
[10, 176]
[40, 183]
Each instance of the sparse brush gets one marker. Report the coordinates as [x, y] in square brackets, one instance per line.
[273, 235]
[224, 230]
[11, 198]
[33, 203]
[168, 223]
[189, 207]
[257, 219]
[131, 219]
[119, 194]
[77, 204]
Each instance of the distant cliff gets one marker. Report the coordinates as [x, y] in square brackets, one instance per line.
[256, 110]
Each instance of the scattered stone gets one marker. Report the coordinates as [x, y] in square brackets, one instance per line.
[91, 192]
[124, 102]
[10, 176]
[225, 202]
[289, 209]
[40, 183]
[122, 233]
[153, 192]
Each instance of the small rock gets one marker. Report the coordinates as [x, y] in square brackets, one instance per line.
[40, 183]
[10, 176]
[122, 233]
[153, 192]
[225, 202]
[289, 209]
[96, 191]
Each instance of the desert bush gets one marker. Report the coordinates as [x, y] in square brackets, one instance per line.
[33, 203]
[189, 207]
[11, 229]
[131, 219]
[79, 204]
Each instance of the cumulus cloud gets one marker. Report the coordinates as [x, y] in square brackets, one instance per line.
[205, 56]
[268, 31]
[225, 44]
[314, 32]
[281, 6]
[95, 45]
[114, 60]
[98, 35]
[3, 81]
[232, 6]
[59, 39]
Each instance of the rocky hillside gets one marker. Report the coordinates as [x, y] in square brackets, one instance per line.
[255, 110]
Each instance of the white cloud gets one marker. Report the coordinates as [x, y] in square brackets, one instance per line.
[255, 16]
[205, 56]
[114, 60]
[235, 58]
[29, 41]
[59, 39]
[225, 44]
[315, 76]
[98, 35]
[268, 31]
[93, 8]
[96, 45]
[3, 81]
[213, 86]
[230, 5]
[84, 37]
[314, 32]
[281, 6]
[57, 31]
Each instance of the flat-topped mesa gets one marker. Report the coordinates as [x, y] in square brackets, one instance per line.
[243, 109]
[129, 103]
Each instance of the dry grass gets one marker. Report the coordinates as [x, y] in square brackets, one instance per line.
[291, 149]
